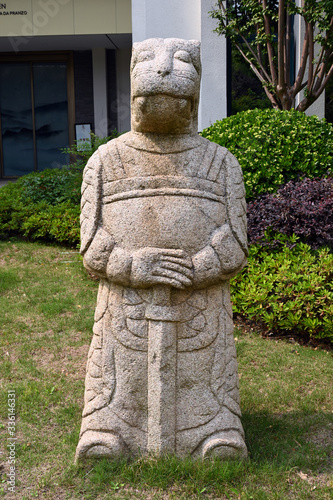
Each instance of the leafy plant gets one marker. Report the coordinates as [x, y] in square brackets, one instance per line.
[274, 147]
[52, 186]
[50, 218]
[46, 204]
[304, 208]
[288, 289]
[59, 223]
[80, 152]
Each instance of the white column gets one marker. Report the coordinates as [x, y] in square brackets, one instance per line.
[100, 92]
[189, 19]
[213, 100]
[161, 19]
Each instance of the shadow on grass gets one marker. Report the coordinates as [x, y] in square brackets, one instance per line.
[278, 444]
[294, 439]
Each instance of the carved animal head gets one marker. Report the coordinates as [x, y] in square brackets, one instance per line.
[165, 85]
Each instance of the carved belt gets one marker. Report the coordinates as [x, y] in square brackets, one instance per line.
[137, 187]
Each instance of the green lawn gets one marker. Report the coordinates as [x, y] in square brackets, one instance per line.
[46, 316]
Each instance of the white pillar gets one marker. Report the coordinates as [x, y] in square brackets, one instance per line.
[100, 92]
[189, 19]
[161, 19]
[214, 70]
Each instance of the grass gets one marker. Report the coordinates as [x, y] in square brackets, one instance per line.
[46, 317]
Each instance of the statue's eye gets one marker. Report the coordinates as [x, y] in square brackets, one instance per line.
[183, 56]
[145, 55]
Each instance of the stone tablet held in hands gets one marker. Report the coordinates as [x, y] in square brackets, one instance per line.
[163, 225]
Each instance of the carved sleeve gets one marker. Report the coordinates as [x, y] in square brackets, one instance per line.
[226, 253]
[96, 243]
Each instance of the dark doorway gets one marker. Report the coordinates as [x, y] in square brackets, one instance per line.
[35, 119]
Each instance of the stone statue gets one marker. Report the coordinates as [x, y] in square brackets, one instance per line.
[164, 226]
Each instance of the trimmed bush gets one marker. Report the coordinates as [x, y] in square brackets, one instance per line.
[37, 206]
[287, 289]
[53, 186]
[46, 205]
[274, 147]
[60, 223]
[303, 208]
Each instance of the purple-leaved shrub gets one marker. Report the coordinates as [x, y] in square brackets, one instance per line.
[304, 208]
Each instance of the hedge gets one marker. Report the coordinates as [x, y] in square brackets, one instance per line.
[290, 289]
[274, 147]
[42, 205]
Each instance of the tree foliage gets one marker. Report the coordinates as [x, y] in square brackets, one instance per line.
[262, 31]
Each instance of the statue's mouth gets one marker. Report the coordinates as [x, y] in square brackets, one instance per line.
[163, 113]
[182, 101]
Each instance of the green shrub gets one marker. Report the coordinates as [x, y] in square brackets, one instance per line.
[60, 223]
[20, 214]
[46, 204]
[53, 186]
[288, 289]
[274, 147]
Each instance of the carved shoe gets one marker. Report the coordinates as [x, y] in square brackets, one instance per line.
[99, 444]
[225, 445]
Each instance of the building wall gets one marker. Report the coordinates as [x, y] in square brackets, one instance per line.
[64, 17]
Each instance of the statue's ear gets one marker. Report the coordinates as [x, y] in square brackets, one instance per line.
[135, 51]
[196, 45]
[193, 46]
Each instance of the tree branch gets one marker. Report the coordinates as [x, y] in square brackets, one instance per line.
[320, 76]
[305, 51]
[320, 66]
[325, 82]
[271, 97]
[287, 50]
[250, 49]
[252, 66]
[270, 51]
[281, 42]
[311, 58]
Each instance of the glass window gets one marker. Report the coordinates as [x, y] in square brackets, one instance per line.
[51, 114]
[34, 119]
[16, 119]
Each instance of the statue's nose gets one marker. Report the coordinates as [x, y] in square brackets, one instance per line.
[164, 65]
[163, 71]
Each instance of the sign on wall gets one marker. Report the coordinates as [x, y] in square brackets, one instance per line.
[24, 18]
[83, 137]
[5, 12]
[15, 17]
